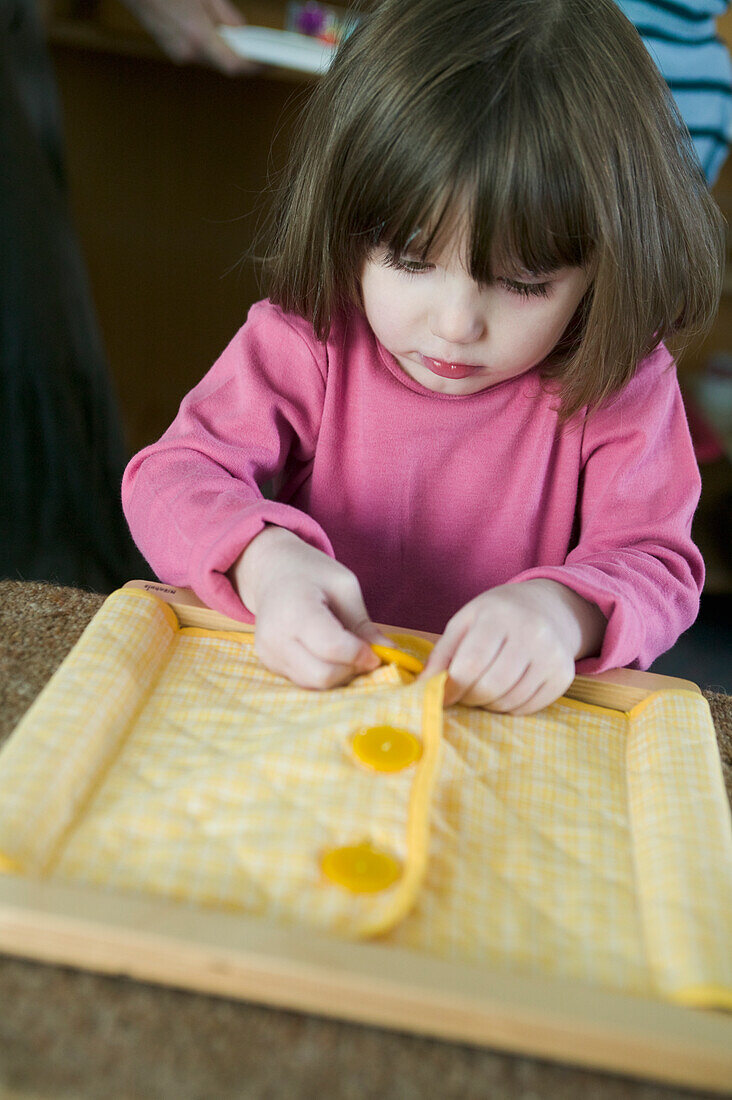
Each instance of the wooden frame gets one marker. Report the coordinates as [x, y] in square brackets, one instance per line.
[234, 955]
[620, 689]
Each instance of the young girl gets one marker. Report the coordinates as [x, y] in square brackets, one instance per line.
[492, 221]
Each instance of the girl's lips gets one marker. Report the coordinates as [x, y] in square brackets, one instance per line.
[448, 370]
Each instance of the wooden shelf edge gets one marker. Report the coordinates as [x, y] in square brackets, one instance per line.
[84, 34]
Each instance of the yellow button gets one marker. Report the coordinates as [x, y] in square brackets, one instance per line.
[386, 748]
[361, 868]
[398, 657]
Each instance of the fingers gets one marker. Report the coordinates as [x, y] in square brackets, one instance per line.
[215, 52]
[346, 602]
[312, 624]
[446, 646]
[512, 685]
[507, 667]
[324, 656]
[327, 639]
[327, 644]
[218, 53]
[222, 11]
[546, 694]
[466, 653]
[208, 47]
[525, 693]
[304, 669]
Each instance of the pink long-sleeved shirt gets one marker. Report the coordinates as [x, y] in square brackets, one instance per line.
[429, 498]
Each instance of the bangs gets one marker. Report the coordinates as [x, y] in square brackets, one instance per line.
[532, 211]
[512, 185]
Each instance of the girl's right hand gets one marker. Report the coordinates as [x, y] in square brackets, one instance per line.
[312, 624]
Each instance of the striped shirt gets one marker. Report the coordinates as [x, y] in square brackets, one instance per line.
[682, 39]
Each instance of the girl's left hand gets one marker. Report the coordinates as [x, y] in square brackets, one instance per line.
[512, 649]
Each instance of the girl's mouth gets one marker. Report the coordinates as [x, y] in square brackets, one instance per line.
[448, 370]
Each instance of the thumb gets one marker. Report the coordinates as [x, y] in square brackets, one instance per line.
[444, 650]
[371, 634]
[438, 660]
[361, 625]
[351, 610]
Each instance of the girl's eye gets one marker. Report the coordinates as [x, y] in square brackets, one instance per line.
[526, 290]
[404, 263]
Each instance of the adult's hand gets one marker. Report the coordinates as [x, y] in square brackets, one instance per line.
[187, 31]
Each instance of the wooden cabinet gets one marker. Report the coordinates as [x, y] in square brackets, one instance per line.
[167, 167]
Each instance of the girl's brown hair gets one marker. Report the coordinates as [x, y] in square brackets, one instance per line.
[549, 119]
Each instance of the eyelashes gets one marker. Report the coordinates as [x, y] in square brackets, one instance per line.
[525, 290]
[403, 263]
[419, 267]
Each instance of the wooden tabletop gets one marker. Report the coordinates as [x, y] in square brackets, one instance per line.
[66, 1033]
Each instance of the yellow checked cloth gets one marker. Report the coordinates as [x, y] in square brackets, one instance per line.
[580, 842]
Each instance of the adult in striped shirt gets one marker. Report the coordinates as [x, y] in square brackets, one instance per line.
[682, 38]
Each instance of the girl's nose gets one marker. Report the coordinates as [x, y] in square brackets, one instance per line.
[458, 317]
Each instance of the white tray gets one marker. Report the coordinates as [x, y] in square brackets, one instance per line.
[283, 48]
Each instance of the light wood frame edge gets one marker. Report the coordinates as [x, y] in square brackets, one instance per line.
[241, 956]
[245, 957]
[620, 689]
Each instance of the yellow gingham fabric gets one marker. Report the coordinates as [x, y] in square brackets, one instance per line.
[581, 842]
[584, 843]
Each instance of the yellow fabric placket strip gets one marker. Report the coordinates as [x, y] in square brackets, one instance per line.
[421, 646]
[704, 996]
[418, 815]
[590, 708]
[397, 656]
[246, 637]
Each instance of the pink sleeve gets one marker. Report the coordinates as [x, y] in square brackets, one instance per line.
[640, 486]
[192, 499]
